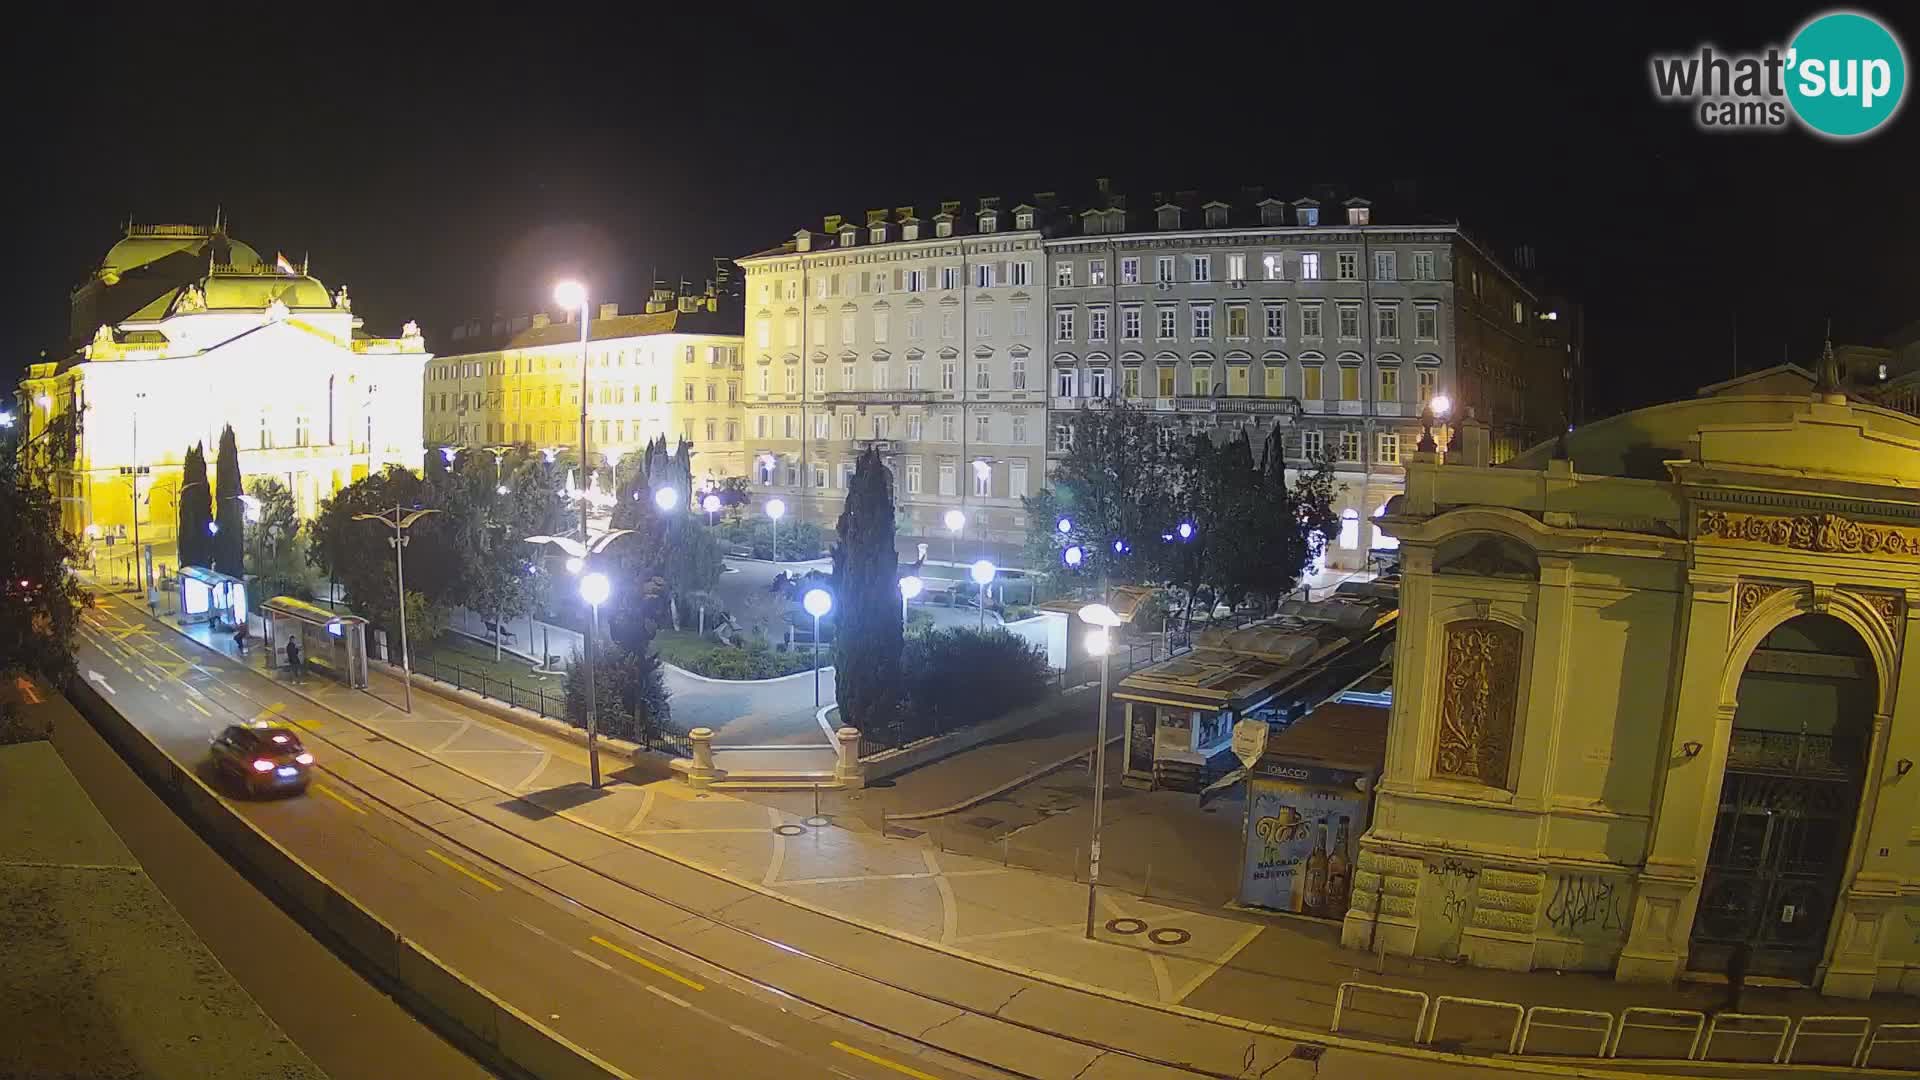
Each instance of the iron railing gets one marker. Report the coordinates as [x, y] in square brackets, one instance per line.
[549, 699]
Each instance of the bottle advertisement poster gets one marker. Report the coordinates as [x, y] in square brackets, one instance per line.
[1302, 838]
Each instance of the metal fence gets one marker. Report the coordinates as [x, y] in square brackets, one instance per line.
[546, 697]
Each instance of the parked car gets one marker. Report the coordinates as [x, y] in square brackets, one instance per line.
[262, 760]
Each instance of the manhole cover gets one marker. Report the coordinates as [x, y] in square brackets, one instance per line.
[818, 821]
[984, 822]
[789, 830]
[1169, 935]
[1125, 926]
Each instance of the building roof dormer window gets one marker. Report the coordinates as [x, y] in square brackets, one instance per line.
[1023, 216]
[1216, 214]
[1359, 211]
[943, 224]
[1306, 211]
[989, 221]
[1272, 212]
[1166, 216]
[849, 236]
[877, 234]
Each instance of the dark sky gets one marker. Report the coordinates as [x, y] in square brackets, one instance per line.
[454, 167]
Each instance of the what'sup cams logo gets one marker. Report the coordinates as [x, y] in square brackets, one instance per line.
[1843, 76]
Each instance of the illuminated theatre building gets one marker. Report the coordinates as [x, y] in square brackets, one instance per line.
[1652, 708]
[182, 330]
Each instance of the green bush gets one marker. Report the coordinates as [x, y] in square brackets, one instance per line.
[755, 660]
[632, 698]
[798, 540]
[960, 677]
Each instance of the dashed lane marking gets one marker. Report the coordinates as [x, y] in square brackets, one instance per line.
[657, 992]
[336, 797]
[461, 869]
[646, 963]
[197, 707]
[592, 959]
[884, 1063]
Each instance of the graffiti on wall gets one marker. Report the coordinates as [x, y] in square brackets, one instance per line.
[1456, 881]
[1586, 905]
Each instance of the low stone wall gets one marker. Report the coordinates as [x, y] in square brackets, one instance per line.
[929, 750]
[498, 1034]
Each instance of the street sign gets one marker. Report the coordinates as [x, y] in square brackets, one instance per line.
[1250, 741]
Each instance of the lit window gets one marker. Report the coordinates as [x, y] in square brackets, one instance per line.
[1389, 448]
[1389, 384]
[1237, 321]
[1309, 266]
[1310, 382]
[1202, 381]
[1130, 382]
[982, 480]
[1381, 541]
[1349, 445]
[1236, 267]
[1096, 271]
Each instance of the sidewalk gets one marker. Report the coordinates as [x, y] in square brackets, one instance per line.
[1200, 962]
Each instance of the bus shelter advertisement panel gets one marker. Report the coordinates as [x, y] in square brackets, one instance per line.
[1300, 842]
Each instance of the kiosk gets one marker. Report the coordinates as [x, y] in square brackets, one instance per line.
[207, 596]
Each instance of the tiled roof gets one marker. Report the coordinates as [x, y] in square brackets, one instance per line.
[722, 322]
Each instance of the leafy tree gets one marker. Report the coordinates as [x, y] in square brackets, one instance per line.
[228, 545]
[489, 530]
[275, 544]
[630, 694]
[357, 553]
[866, 575]
[1118, 481]
[195, 510]
[39, 600]
[670, 556]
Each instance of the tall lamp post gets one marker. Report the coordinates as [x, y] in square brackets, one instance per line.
[817, 602]
[711, 504]
[1099, 644]
[133, 503]
[982, 574]
[594, 589]
[499, 453]
[399, 520]
[955, 521]
[776, 509]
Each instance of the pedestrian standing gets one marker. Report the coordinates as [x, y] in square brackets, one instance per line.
[293, 657]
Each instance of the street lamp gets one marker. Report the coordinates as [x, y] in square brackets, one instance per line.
[1099, 644]
[666, 498]
[711, 504]
[910, 587]
[776, 509]
[594, 589]
[399, 521]
[955, 521]
[1185, 530]
[1065, 525]
[250, 506]
[572, 296]
[817, 602]
[982, 574]
[1073, 556]
[447, 453]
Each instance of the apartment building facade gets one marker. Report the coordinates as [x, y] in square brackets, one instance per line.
[923, 336]
[674, 369]
[1307, 315]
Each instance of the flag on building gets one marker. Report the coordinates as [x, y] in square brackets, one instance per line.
[281, 264]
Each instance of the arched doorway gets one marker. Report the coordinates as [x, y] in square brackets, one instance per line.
[1795, 770]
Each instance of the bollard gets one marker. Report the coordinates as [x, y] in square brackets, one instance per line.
[702, 773]
[847, 768]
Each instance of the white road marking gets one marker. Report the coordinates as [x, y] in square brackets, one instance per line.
[596, 962]
[657, 992]
[754, 1035]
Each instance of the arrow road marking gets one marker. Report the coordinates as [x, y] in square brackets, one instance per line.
[94, 676]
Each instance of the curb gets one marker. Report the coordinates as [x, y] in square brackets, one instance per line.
[1025, 778]
[471, 1016]
[512, 714]
[739, 682]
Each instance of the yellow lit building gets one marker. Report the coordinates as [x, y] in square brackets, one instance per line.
[673, 369]
[1651, 705]
[182, 330]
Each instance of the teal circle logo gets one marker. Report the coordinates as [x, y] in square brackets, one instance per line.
[1846, 74]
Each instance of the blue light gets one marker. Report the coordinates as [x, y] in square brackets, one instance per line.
[1186, 530]
[1065, 525]
[334, 628]
[1120, 547]
[1072, 555]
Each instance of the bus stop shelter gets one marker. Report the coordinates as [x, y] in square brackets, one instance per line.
[211, 597]
[333, 643]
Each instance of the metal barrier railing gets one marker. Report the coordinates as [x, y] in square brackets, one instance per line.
[1789, 1036]
[1340, 1003]
[1749, 1025]
[548, 700]
[1698, 1027]
[1866, 1054]
[1439, 1003]
[1859, 1037]
[1605, 1030]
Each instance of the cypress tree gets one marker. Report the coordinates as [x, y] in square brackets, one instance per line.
[195, 509]
[229, 544]
[866, 604]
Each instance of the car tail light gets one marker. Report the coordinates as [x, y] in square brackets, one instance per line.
[304, 759]
[262, 765]
[280, 738]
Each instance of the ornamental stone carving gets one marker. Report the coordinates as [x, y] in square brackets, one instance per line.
[1480, 686]
[1888, 607]
[1811, 532]
[1749, 596]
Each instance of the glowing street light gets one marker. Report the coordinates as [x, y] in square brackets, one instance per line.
[1442, 405]
[1065, 525]
[6, 418]
[1185, 530]
[447, 453]
[666, 498]
[910, 587]
[573, 565]
[711, 504]
[250, 507]
[982, 573]
[1099, 644]
[817, 602]
[213, 528]
[955, 521]
[1073, 556]
[776, 509]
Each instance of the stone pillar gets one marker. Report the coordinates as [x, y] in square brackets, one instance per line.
[700, 771]
[847, 768]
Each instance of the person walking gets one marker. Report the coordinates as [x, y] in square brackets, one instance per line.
[293, 657]
[1737, 960]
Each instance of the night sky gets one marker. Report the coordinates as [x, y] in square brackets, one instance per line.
[452, 168]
